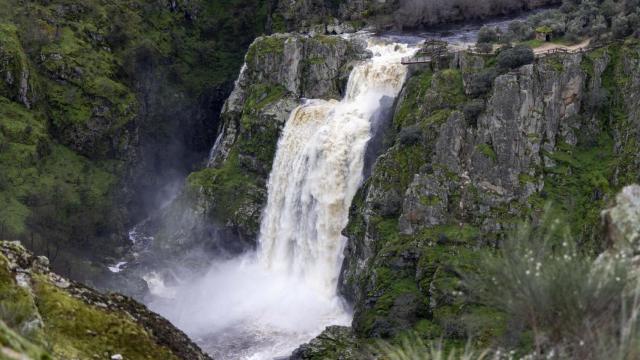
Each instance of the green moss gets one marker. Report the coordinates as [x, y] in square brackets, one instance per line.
[487, 150]
[10, 342]
[44, 182]
[278, 24]
[430, 200]
[556, 62]
[230, 187]
[14, 61]
[448, 84]
[579, 174]
[526, 178]
[17, 308]
[268, 45]
[409, 112]
[427, 329]
[261, 95]
[78, 330]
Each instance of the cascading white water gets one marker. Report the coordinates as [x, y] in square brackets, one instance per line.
[265, 304]
[318, 169]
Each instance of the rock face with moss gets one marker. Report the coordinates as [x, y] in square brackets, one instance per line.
[102, 105]
[465, 165]
[46, 316]
[221, 206]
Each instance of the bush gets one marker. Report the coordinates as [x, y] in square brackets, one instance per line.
[620, 27]
[520, 30]
[570, 302]
[484, 48]
[481, 82]
[487, 34]
[515, 57]
[412, 347]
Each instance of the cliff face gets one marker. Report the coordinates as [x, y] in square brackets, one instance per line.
[221, 206]
[46, 316]
[464, 168]
[102, 106]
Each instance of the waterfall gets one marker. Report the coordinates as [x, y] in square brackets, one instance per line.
[318, 168]
[263, 305]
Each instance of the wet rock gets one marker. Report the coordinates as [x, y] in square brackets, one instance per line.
[335, 342]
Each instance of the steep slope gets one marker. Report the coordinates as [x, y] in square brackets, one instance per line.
[466, 165]
[103, 106]
[221, 206]
[42, 310]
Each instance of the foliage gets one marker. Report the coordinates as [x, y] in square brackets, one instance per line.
[412, 347]
[107, 85]
[568, 300]
[515, 57]
[487, 34]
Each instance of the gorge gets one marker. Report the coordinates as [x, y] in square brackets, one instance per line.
[264, 305]
[311, 180]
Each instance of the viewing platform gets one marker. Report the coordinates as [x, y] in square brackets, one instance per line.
[416, 60]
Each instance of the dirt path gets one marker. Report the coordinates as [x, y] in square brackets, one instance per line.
[550, 46]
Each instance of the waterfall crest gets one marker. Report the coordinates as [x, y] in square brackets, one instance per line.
[264, 305]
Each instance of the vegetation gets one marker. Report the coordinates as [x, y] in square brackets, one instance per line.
[100, 102]
[515, 57]
[45, 316]
[413, 13]
[563, 300]
[575, 20]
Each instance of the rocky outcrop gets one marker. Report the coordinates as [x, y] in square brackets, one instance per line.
[74, 321]
[16, 83]
[622, 221]
[220, 208]
[458, 177]
[335, 342]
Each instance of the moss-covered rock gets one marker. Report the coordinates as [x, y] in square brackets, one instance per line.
[42, 310]
[221, 205]
[102, 105]
[540, 134]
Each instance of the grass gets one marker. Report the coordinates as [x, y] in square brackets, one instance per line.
[79, 330]
[487, 150]
[567, 299]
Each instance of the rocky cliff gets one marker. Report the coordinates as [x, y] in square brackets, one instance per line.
[46, 316]
[466, 165]
[103, 106]
[221, 206]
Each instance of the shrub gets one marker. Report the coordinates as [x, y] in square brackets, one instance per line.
[484, 48]
[570, 302]
[520, 30]
[620, 27]
[481, 82]
[411, 347]
[487, 34]
[515, 57]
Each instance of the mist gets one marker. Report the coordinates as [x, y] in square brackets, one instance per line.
[241, 309]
